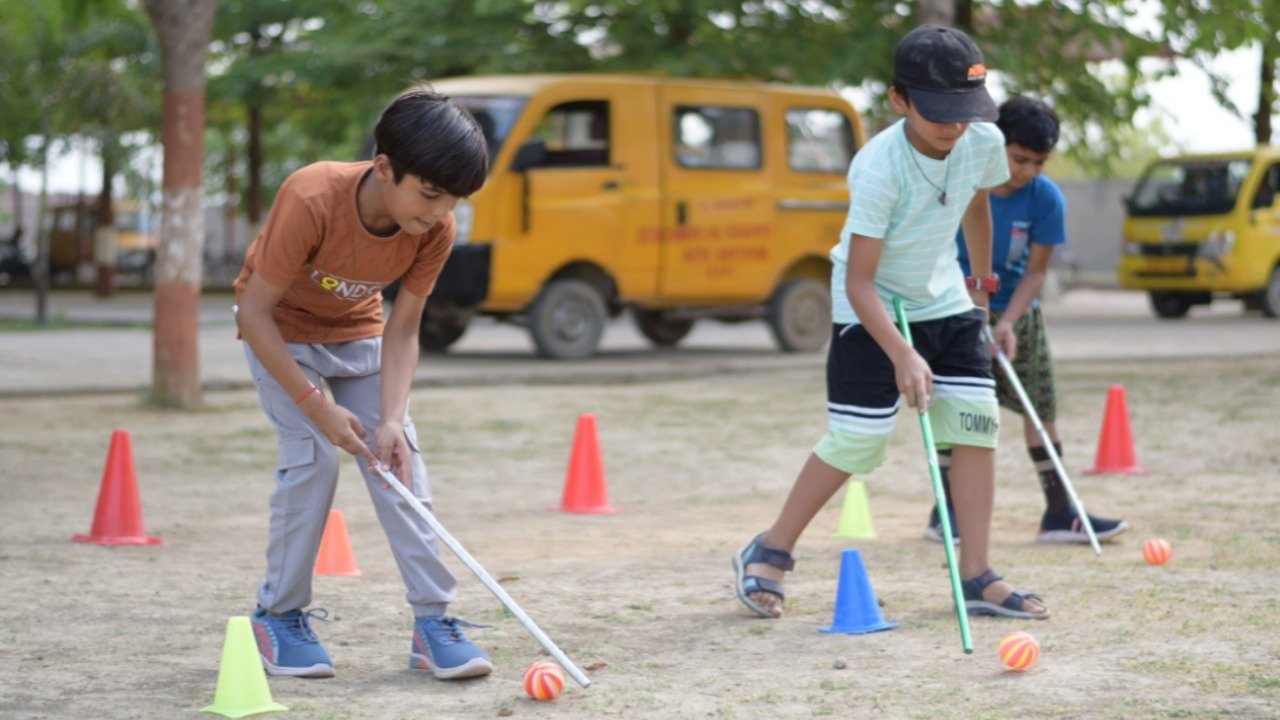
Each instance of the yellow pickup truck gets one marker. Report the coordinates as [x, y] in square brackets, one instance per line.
[1200, 226]
[675, 199]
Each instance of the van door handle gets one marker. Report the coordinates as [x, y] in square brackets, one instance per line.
[609, 185]
[682, 212]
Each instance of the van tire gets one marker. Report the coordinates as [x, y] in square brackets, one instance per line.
[660, 328]
[1270, 295]
[567, 320]
[441, 328]
[1170, 305]
[799, 315]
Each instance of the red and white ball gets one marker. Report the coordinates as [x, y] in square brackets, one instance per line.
[1019, 650]
[544, 681]
[1157, 551]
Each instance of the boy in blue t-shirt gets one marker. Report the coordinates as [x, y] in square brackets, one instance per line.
[1028, 222]
[912, 187]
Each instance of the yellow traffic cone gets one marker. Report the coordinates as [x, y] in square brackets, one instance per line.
[855, 518]
[242, 683]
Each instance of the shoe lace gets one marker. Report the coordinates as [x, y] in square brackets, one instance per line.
[449, 629]
[298, 626]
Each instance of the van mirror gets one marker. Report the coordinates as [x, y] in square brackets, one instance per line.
[531, 154]
[1127, 202]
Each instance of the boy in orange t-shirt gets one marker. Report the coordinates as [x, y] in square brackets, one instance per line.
[310, 311]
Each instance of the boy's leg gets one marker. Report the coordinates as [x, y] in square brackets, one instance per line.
[306, 478]
[430, 585]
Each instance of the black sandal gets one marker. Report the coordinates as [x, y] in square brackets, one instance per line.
[756, 552]
[1012, 606]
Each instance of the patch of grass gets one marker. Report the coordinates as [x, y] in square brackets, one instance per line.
[60, 322]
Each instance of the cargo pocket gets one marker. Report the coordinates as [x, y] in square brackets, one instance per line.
[295, 451]
[411, 436]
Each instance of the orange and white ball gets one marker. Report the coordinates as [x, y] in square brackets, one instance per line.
[543, 681]
[1157, 551]
[1019, 650]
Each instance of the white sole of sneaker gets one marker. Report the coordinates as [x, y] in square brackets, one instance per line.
[935, 535]
[319, 670]
[1066, 537]
[475, 667]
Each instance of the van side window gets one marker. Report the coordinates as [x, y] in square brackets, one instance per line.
[818, 140]
[576, 134]
[1267, 188]
[712, 137]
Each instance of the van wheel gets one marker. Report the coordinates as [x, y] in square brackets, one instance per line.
[661, 329]
[441, 328]
[1271, 294]
[1170, 305]
[567, 320]
[799, 315]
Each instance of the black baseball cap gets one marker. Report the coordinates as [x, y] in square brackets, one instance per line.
[944, 72]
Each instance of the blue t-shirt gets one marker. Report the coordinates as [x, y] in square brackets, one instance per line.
[894, 191]
[1033, 214]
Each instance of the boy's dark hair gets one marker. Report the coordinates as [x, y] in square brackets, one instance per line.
[426, 134]
[1028, 122]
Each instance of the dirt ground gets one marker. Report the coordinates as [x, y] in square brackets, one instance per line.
[643, 598]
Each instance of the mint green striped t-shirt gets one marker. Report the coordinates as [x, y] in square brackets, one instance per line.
[892, 198]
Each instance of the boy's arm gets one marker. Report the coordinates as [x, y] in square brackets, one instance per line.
[258, 328]
[399, 360]
[1028, 288]
[911, 372]
[977, 239]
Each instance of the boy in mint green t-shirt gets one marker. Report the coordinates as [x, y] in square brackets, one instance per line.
[911, 187]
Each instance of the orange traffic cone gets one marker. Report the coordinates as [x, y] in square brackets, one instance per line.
[1115, 443]
[584, 484]
[118, 517]
[335, 556]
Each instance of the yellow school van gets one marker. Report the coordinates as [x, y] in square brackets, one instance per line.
[675, 200]
[1201, 226]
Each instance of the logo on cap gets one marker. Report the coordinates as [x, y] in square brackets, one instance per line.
[977, 72]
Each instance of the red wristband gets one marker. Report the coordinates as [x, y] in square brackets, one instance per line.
[303, 397]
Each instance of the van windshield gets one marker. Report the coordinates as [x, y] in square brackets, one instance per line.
[496, 115]
[1186, 187]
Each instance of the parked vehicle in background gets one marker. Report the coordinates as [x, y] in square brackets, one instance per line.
[73, 232]
[1200, 226]
[675, 199]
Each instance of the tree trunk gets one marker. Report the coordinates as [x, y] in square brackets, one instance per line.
[936, 12]
[1266, 94]
[104, 240]
[229, 249]
[255, 165]
[183, 28]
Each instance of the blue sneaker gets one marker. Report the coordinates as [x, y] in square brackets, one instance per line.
[440, 646]
[934, 530]
[288, 646]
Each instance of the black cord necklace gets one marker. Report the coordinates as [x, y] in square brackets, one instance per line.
[942, 189]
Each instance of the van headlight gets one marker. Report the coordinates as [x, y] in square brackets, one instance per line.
[464, 214]
[1218, 244]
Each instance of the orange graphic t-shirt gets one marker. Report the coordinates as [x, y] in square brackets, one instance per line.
[315, 245]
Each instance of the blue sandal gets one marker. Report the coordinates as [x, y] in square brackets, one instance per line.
[1012, 606]
[756, 552]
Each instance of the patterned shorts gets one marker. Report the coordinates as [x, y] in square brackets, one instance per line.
[1033, 365]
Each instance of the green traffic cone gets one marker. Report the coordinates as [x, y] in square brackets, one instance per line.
[242, 683]
[855, 518]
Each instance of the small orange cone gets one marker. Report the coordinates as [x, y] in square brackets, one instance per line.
[335, 556]
[1115, 442]
[118, 517]
[584, 484]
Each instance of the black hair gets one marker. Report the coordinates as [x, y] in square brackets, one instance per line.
[426, 134]
[1028, 122]
[902, 91]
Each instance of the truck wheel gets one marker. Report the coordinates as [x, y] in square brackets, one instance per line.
[567, 320]
[439, 330]
[661, 329]
[799, 315]
[1170, 305]
[1271, 294]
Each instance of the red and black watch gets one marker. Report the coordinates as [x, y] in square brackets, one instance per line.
[991, 283]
